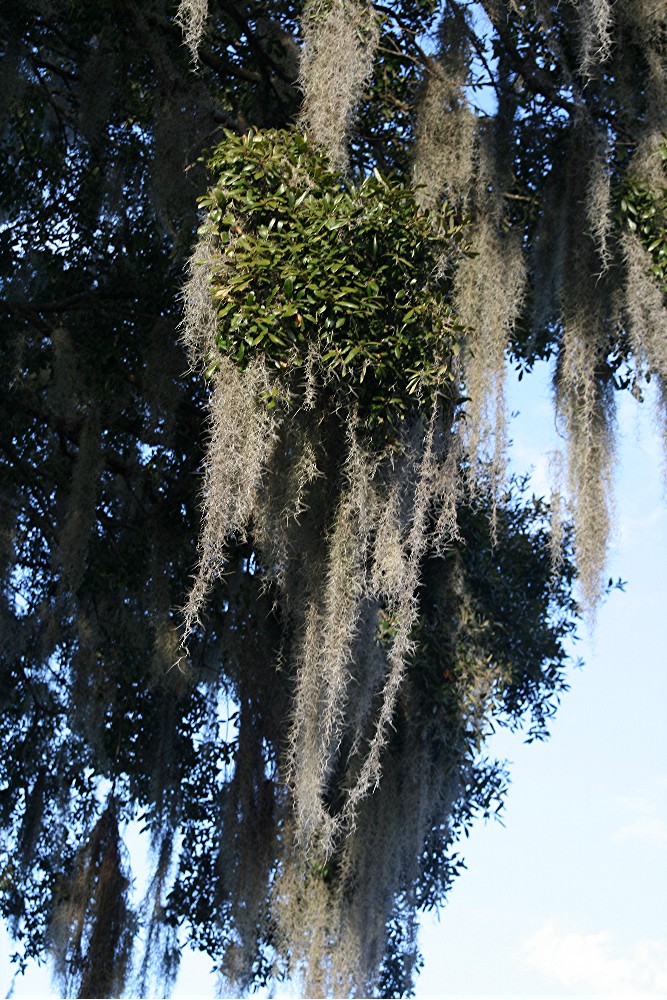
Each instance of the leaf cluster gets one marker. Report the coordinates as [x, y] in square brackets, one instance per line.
[508, 624]
[354, 269]
[644, 212]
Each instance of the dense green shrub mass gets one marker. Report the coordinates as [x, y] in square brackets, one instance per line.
[354, 271]
[645, 212]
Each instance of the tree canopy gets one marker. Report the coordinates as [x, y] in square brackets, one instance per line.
[266, 581]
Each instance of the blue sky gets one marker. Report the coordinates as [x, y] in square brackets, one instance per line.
[568, 897]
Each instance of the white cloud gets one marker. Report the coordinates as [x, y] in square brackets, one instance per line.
[638, 803]
[645, 831]
[642, 821]
[596, 962]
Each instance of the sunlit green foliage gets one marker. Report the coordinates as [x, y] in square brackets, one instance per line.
[356, 271]
[644, 211]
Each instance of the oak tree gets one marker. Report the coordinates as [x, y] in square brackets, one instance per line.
[266, 582]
